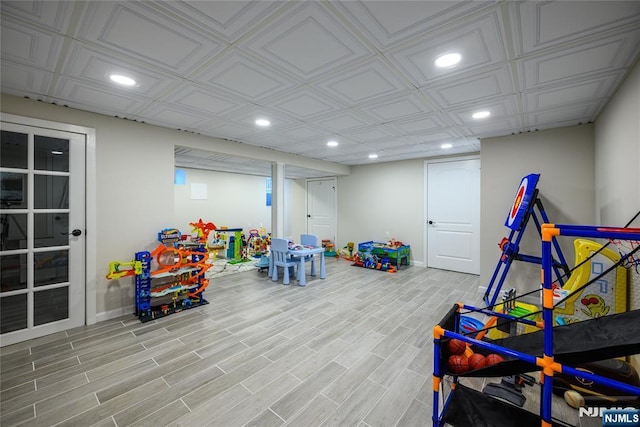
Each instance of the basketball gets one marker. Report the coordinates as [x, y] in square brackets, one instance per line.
[456, 346]
[458, 364]
[493, 358]
[477, 361]
[573, 398]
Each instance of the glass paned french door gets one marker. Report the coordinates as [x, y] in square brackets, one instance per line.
[42, 204]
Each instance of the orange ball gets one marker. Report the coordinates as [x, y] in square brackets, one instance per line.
[477, 361]
[493, 358]
[456, 346]
[458, 364]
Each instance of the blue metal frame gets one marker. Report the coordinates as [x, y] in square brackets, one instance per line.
[511, 248]
[546, 362]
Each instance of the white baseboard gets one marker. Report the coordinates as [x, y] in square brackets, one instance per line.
[112, 314]
[416, 263]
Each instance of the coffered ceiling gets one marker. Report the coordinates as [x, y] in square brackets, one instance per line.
[360, 73]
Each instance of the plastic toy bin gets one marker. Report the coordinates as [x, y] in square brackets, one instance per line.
[397, 255]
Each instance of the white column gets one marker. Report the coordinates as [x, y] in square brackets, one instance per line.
[277, 200]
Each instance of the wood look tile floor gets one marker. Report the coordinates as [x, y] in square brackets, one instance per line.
[354, 349]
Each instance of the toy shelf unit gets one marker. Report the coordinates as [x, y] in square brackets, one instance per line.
[398, 255]
[169, 279]
[166, 291]
[559, 350]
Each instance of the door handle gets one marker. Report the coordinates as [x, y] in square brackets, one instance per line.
[308, 216]
[431, 222]
[75, 232]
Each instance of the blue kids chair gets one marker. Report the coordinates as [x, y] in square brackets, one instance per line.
[308, 240]
[281, 258]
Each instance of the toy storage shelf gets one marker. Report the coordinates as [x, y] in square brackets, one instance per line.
[167, 292]
[397, 255]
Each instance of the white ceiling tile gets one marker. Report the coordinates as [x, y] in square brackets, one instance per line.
[342, 121]
[439, 135]
[365, 83]
[93, 66]
[92, 98]
[302, 132]
[498, 108]
[574, 114]
[201, 159]
[397, 108]
[239, 75]
[204, 101]
[360, 72]
[18, 77]
[269, 139]
[479, 41]
[226, 19]
[29, 45]
[540, 25]
[370, 133]
[412, 126]
[345, 144]
[226, 129]
[586, 91]
[179, 118]
[304, 104]
[315, 150]
[390, 143]
[248, 116]
[412, 150]
[496, 127]
[307, 42]
[474, 87]
[141, 33]
[391, 22]
[53, 15]
[580, 62]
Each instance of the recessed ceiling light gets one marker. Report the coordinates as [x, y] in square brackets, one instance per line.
[373, 156]
[446, 146]
[448, 60]
[122, 80]
[263, 123]
[332, 143]
[481, 114]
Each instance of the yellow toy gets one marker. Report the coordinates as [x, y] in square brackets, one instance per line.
[116, 273]
[606, 296]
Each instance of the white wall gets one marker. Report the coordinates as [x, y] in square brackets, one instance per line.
[233, 200]
[565, 159]
[617, 147]
[617, 171]
[380, 201]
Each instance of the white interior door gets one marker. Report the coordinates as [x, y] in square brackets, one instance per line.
[453, 215]
[321, 208]
[42, 213]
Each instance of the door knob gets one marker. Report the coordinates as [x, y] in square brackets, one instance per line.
[430, 222]
[76, 232]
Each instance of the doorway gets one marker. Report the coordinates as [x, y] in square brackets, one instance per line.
[321, 208]
[453, 214]
[43, 227]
